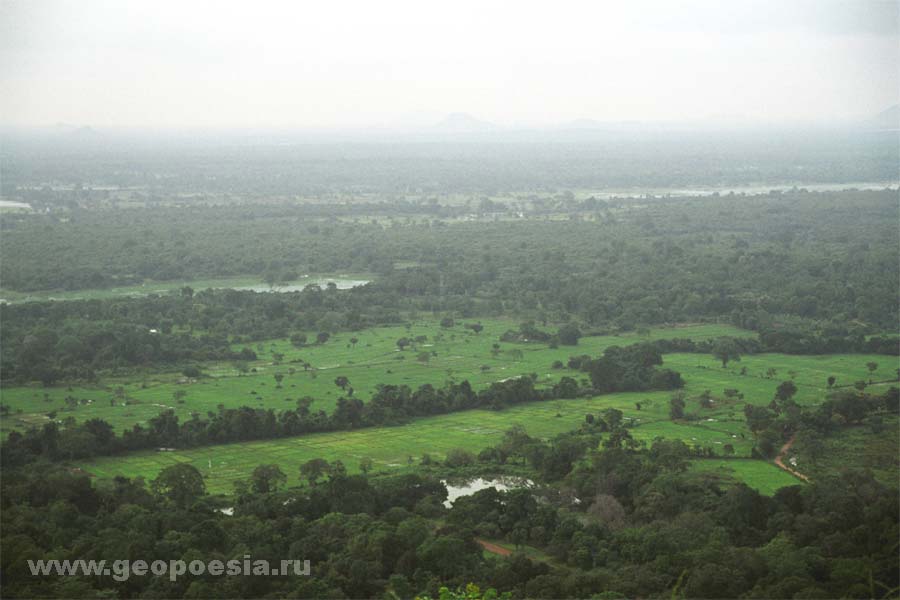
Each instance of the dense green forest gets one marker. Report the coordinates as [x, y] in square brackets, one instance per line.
[645, 527]
[808, 255]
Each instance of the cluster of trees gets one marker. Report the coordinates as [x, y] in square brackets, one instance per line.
[631, 510]
[567, 335]
[620, 520]
[552, 460]
[630, 369]
[793, 341]
[782, 418]
[80, 349]
[362, 537]
[49, 341]
[619, 369]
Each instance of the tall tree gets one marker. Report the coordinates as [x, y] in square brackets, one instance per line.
[726, 350]
[181, 483]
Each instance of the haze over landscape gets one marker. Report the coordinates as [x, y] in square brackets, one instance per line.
[459, 301]
[406, 65]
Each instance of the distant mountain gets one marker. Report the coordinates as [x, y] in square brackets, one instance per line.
[887, 119]
[86, 133]
[464, 123]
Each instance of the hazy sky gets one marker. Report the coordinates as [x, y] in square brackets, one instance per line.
[339, 64]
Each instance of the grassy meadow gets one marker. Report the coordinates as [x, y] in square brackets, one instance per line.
[761, 475]
[441, 354]
[453, 354]
[393, 447]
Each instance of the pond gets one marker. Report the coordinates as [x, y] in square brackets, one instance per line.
[459, 488]
[747, 189]
[340, 282]
[14, 204]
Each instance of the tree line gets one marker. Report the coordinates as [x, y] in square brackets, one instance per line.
[631, 368]
[74, 340]
[821, 259]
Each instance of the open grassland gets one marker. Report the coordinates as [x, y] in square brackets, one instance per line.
[452, 354]
[393, 447]
[455, 353]
[397, 447]
[751, 374]
[762, 476]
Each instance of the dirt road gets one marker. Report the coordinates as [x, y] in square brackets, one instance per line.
[494, 548]
[779, 460]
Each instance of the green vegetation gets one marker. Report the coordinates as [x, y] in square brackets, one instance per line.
[762, 476]
[391, 447]
[509, 328]
[672, 260]
[871, 446]
[372, 360]
[636, 500]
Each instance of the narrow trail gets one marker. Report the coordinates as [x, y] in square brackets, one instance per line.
[494, 548]
[780, 462]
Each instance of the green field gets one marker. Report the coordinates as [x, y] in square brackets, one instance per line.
[453, 354]
[809, 373]
[375, 359]
[762, 476]
[392, 447]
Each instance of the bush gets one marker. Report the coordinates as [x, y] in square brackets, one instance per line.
[568, 335]
[458, 457]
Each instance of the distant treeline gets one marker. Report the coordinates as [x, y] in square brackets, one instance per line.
[49, 341]
[787, 342]
[619, 369]
[757, 261]
[287, 166]
[65, 341]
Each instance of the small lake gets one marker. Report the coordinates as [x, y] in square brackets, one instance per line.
[341, 284]
[747, 189]
[13, 204]
[459, 488]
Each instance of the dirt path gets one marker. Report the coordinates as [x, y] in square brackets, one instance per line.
[780, 462]
[494, 548]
